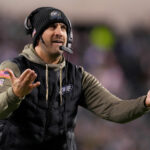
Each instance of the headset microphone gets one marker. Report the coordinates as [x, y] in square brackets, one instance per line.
[66, 49]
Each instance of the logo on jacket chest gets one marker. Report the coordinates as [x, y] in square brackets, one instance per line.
[67, 89]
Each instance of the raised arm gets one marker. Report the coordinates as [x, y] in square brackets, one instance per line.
[101, 102]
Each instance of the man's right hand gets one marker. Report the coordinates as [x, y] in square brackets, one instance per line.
[24, 84]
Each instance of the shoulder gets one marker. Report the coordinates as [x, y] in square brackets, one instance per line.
[11, 65]
[89, 80]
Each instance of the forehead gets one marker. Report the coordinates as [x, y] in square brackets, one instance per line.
[58, 23]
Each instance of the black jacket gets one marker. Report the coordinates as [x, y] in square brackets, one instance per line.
[50, 123]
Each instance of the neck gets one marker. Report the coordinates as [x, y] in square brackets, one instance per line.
[48, 58]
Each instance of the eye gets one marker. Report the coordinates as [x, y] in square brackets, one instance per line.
[53, 26]
[64, 27]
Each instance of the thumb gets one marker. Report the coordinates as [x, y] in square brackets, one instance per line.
[147, 101]
[12, 76]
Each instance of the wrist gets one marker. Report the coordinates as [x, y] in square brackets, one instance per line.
[12, 98]
[18, 95]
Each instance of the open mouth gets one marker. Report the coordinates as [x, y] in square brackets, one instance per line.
[59, 42]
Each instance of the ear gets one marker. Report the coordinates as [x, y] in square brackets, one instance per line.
[34, 32]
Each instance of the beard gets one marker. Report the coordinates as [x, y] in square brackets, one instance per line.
[55, 54]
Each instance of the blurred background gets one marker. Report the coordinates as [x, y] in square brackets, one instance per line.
[112, 42]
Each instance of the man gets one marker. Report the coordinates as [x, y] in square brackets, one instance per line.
[41, 91]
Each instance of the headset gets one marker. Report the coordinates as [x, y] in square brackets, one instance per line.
[29, 27]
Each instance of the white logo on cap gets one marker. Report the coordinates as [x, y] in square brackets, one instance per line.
[55, 14]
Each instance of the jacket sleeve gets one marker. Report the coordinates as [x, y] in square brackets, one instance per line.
[8, 101]
[101, 102]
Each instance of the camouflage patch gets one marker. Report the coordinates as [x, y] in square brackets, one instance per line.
[4, 74]
[2, 82]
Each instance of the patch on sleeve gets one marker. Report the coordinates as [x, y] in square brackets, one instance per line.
[2, 82]
[4, 74]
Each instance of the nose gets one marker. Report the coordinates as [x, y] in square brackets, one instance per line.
[58, 30]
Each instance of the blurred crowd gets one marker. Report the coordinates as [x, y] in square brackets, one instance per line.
[122, 67]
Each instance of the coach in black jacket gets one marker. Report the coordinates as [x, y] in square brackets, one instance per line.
[41, 91]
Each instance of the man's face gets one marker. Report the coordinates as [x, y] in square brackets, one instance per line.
[54, 37]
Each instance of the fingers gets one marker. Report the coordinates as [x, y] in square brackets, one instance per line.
[26, 74]
[34, 85]
[147, 101]
[28, 77]
[32, 77]
[12, 76]
[24, 84]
